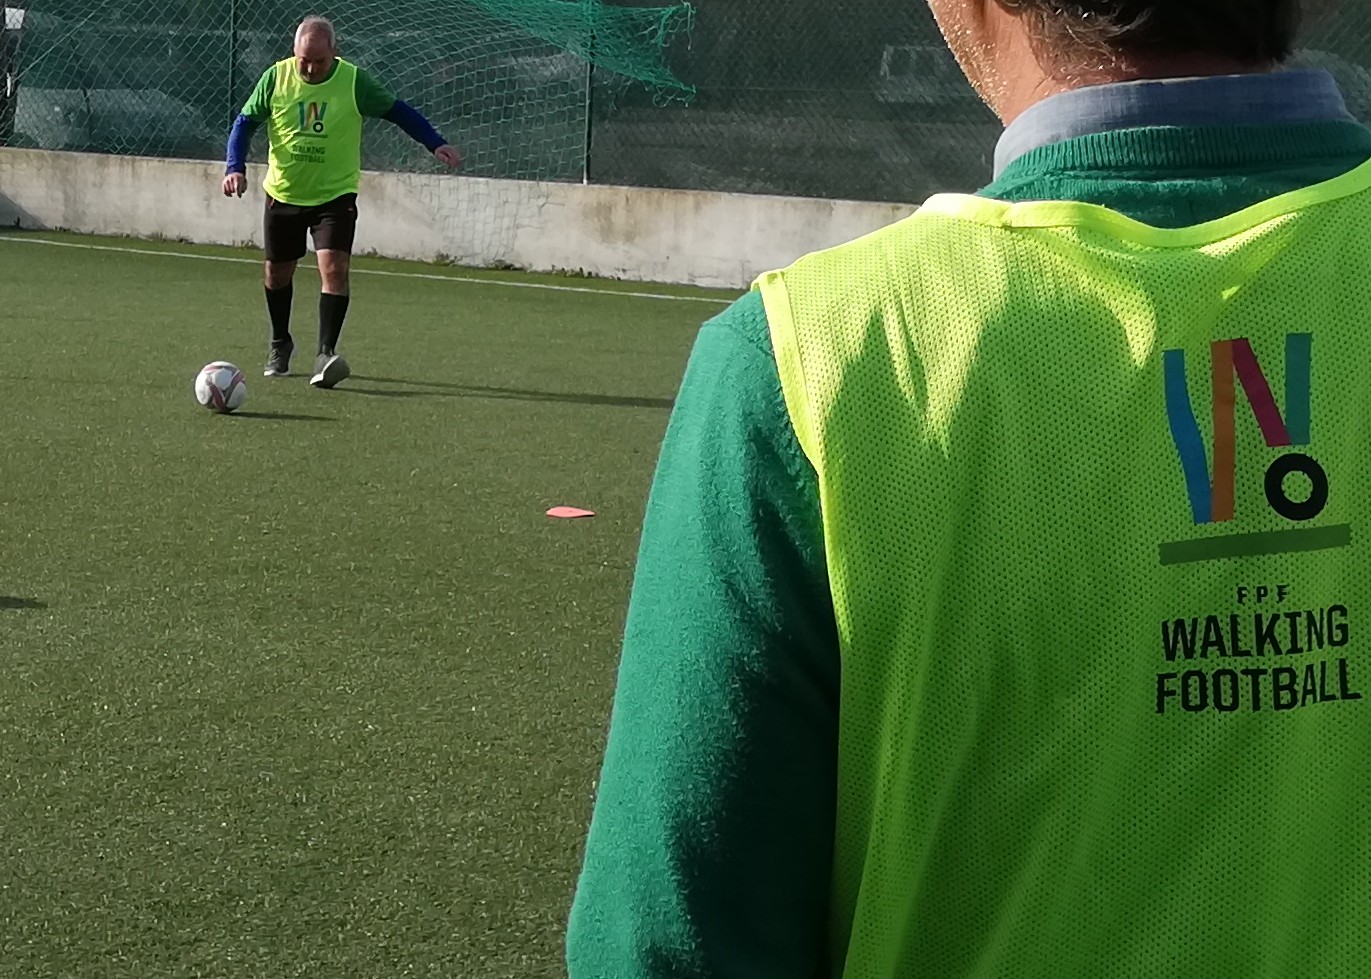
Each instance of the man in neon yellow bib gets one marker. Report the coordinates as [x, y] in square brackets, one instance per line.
[313, 105]
[999, 607]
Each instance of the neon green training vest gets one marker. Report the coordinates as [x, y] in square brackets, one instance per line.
[1093, 495]
[316, 136]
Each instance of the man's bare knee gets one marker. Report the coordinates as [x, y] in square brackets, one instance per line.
[279, 274]
[334, 268]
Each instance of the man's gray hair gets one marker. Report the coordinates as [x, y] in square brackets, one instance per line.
[315, 25]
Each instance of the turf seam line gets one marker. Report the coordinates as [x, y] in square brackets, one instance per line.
[465, 279]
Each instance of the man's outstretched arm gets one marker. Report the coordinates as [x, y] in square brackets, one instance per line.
[373, 99]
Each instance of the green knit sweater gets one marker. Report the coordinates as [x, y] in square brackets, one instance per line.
[710, 850]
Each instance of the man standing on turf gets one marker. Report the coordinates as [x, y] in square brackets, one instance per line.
[313, 105]
[999, 612]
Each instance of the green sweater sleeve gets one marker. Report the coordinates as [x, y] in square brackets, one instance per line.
[374, 100]
[258, 105]
[711, 843]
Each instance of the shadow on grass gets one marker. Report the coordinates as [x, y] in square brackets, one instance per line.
[279, 416]
[9, 601]
[443, 390]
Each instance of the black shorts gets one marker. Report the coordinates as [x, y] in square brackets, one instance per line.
[334, 226]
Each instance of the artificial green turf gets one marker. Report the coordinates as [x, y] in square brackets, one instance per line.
[315, 690]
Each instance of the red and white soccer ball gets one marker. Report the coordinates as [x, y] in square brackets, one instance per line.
[221, 387]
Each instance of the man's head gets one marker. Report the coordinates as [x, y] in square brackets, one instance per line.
[316, 47]
[1076, 42]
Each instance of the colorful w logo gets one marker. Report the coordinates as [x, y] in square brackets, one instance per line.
[312, 115]
[1212, 494]
[1212, 502]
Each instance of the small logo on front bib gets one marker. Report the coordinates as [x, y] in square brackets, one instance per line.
[312, 117]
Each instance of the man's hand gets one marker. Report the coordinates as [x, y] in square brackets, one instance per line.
[235, 185]
[450, 155]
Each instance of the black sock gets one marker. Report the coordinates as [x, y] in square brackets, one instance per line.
[332, 311]
[278, 305]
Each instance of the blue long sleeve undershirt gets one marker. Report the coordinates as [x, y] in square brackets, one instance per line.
[239, 142]
[402, 114]
[415, 126]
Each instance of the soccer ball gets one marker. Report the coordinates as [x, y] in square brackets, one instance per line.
[221, 387]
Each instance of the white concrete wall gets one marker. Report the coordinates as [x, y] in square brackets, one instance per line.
[707, 239]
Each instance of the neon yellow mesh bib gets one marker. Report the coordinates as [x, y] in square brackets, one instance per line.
[316, 136]
[1093, 499]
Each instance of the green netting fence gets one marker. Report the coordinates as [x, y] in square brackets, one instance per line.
[858, 99]
[509, 80]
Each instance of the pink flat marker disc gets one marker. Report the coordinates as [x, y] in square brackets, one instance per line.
[569, 512]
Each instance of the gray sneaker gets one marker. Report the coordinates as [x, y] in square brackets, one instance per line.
[329, 370]
[278, 361]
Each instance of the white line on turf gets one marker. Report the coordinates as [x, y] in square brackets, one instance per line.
[466, 279]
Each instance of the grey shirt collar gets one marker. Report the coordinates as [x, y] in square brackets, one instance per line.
[1275, 98]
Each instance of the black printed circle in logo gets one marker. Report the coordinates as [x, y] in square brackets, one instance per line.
[1275, 487]
[318, 127]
